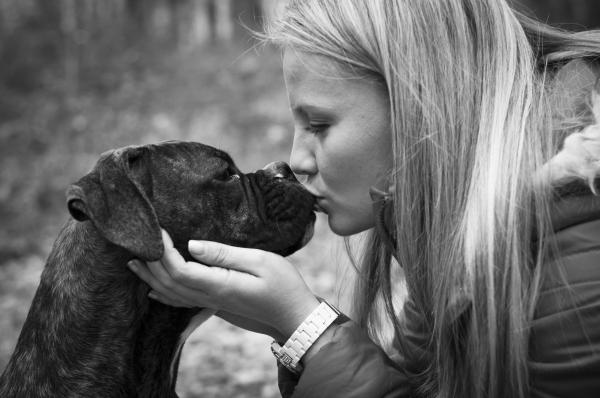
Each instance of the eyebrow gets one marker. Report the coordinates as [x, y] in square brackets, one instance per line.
[306, 109]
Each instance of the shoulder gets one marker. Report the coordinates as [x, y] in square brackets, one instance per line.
[565, 330]
[575, 218]
[350, 365]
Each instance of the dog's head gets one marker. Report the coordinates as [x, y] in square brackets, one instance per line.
[193, 191]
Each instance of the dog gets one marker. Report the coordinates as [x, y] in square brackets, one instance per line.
[91, 330]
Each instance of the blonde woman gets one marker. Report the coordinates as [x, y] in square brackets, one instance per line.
[439, 126]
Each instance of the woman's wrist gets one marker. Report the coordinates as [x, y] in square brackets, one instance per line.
[292, 319]
[306, 335]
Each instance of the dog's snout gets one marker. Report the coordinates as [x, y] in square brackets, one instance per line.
[279, 170]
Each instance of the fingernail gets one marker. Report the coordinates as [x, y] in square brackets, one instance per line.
[195, 246]
[132, 265]
[165, 237]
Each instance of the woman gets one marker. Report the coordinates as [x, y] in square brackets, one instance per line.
[448, 112]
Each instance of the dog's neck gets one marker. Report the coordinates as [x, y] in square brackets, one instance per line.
[92, 326]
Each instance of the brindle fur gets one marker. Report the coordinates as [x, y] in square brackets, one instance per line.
[91, 330]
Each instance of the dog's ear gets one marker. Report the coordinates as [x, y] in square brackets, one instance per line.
[113, 200]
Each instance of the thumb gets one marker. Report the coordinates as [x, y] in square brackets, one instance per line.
[225, 256]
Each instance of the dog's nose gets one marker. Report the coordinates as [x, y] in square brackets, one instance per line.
[279, 170]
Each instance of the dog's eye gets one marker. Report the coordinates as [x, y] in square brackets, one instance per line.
[227, 176]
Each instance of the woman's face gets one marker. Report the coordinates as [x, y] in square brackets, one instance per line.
[342, 140]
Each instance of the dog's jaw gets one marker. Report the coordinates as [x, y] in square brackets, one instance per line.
[310, 231]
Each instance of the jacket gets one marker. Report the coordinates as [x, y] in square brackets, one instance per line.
[564, 337]
[564, 357]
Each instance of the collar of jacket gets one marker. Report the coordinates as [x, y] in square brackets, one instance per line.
[574, 204]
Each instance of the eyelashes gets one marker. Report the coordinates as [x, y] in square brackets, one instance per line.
[317, 128]
[312, 122]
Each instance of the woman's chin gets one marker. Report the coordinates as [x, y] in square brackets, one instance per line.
[346, 226]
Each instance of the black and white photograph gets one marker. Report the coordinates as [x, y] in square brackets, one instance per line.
[299, 198]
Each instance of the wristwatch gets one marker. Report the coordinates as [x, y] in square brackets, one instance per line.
[290, 354]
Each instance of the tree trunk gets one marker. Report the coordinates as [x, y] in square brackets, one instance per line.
[138, 17]
[68, 26]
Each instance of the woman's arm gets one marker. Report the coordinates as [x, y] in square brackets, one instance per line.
[253, 289]
[263, 292]
[565, 332]
[347, 364]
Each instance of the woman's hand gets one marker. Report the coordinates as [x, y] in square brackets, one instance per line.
[253, 289]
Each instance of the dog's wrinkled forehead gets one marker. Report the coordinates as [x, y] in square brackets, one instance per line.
[171, 156]
[186, 150]
[187, 160]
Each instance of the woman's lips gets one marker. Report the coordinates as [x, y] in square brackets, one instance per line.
[318, 206]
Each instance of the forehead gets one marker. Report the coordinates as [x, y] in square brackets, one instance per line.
[311, 78]
[302, 68]
[298, 64]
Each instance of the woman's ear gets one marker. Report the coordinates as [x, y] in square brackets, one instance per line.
[114, 202]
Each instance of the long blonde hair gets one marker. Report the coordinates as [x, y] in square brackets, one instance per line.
[467, 83]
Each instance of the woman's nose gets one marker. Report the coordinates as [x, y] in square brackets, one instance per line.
[302, 159]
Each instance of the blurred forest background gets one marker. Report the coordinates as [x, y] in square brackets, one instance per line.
[78, 77]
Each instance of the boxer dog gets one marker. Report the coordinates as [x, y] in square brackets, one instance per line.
[91, 330]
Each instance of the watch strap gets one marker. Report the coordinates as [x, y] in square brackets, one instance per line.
[304, 336]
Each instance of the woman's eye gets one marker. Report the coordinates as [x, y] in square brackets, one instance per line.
[317, 128]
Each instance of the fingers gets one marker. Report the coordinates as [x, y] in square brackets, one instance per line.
[161, 292]
[217, 254]
[180, 283]
[170, 250]
[257, 289]
[175, 272]
[154, 295]
[165, 289]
